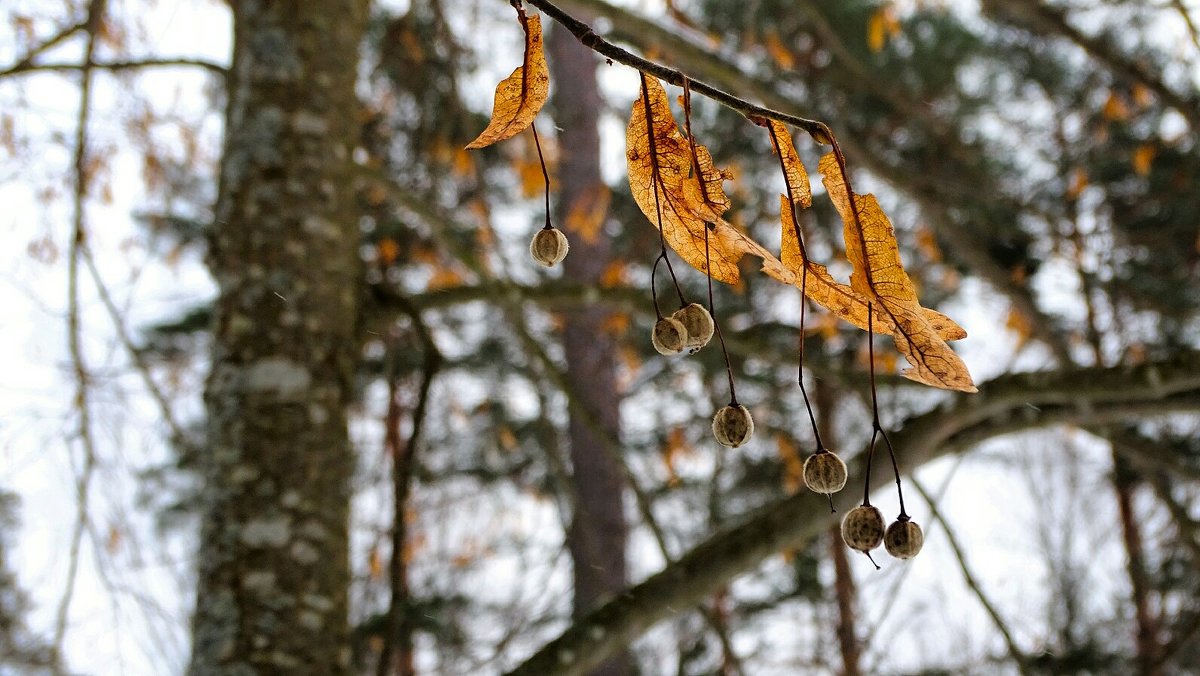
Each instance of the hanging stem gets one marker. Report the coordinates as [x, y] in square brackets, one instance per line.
[545, 174]
[812, 418]
[876, 428]
[717, 325]
[655, 183]
[803, 289]
[653, 288]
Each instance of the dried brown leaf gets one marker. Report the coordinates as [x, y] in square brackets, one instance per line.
[879, 275]
[682, 193]
[794, 172]
[521, 95]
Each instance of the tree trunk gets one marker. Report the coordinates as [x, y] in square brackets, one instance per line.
[1146, 634]
[845, 590]
[274, 571]
[597, 534]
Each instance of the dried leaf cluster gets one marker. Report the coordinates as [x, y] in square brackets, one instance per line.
[679, 188]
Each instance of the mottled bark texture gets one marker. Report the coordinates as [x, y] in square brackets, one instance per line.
[597, 534]
[273, 562]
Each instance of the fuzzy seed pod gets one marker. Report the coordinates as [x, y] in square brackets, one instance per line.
[862, 528]
[669, 336]
[549, 246]
[733, 426]
[903, 539]
[824, 472]
[699, 325]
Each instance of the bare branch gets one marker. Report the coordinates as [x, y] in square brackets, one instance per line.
[137, 64]
[972, 582]
[75, 331]
[397, 649]
[1007, 404]
[1042, 18]
[584, 33]
[43, 47]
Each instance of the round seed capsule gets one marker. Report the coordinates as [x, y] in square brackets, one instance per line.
[862, 528]
[669, 336]
[549, 246]
[824, 472]
[733, 426]
[699, 325]
[903, 539]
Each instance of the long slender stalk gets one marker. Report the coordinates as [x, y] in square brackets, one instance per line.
[82, 397]
[656, 186]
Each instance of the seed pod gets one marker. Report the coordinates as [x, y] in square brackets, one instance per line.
[669, 336]
[824, 472]
[733, 426]
[862, 528]
[699, 325]
[549, 246]
[903, 538]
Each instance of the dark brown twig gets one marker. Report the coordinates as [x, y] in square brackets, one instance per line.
[398, 628]
[82, 398]
[584, 34]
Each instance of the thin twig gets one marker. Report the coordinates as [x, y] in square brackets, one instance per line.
[138, 356]
[398, 631]
[584, 34]
[791, 197]
[75, 331]
[1017, 654]
[41, 48]
[545, 174]
[656, 185]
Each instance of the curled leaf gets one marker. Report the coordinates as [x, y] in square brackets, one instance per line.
[680, 191]
[794, 172]
[521, 95]
[879, 275]
[841, 300]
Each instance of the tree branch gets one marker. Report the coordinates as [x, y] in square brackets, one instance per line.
[75, 329]
[972, 582]
[1041, 18]
[45, 46]
[397, 651]
[1005, 404]
[22, 68]
[819, 130]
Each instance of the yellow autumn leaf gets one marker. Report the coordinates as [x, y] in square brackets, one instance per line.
[780, 54]
[794, 173]
[1077, 183]
[793, 464]
[521, 95]
[1143, 159]
[587, 212]
[882, 25]
[879, 276]
[681, 191]
[817, 283]
[1115, 109]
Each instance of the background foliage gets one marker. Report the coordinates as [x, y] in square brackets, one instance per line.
[1038, 159]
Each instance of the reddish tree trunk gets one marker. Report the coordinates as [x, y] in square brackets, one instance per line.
[597, 534]
[1146, 636]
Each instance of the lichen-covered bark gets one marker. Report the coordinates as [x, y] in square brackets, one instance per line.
[273, 563]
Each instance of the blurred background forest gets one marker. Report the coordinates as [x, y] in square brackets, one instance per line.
[457, 453]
